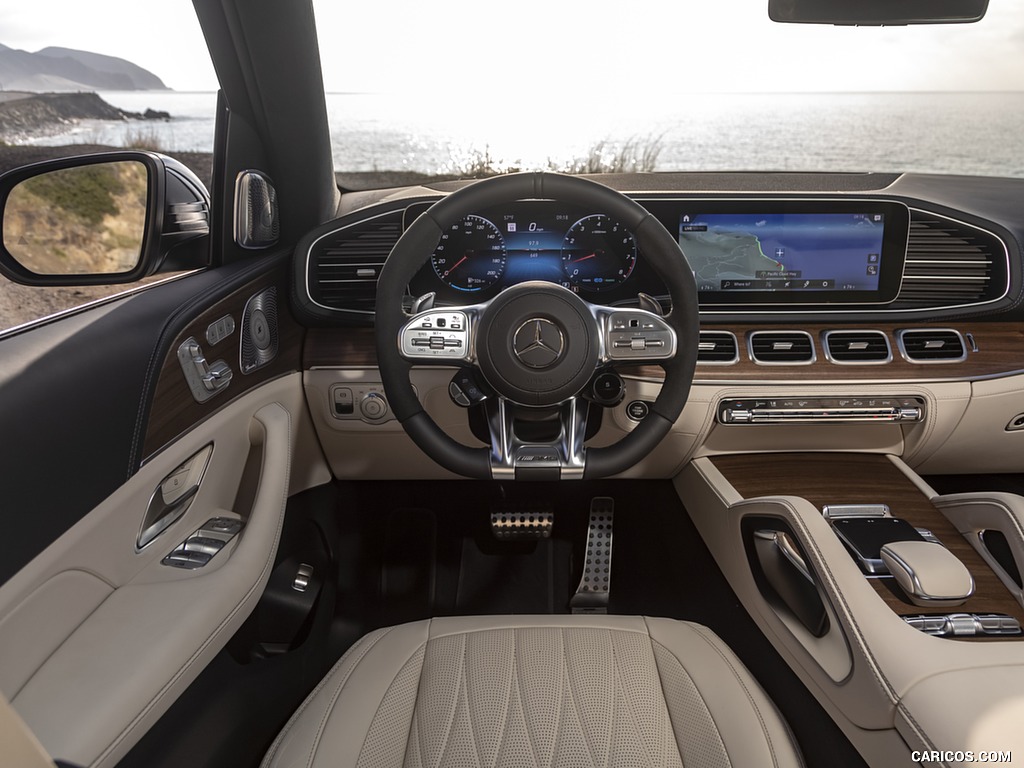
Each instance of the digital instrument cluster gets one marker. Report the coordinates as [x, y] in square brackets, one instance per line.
[741, 252]
[587, 252]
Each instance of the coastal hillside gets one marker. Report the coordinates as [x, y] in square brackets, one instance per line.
[26, 114]
[67, 69]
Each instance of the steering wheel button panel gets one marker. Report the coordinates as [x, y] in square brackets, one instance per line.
[434, 334]
[637, 335]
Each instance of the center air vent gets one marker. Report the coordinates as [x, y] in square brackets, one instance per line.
[781, 347]
[344, 265]
[857, 347]
[717, 348]
[932, 345]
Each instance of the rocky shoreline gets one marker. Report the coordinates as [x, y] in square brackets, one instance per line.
[32, 114]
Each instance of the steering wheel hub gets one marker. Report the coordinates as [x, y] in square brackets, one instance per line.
[538, 344]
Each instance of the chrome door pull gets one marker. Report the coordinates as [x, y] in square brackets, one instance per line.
[172, 497]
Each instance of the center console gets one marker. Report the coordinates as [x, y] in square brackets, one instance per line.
[896, 606]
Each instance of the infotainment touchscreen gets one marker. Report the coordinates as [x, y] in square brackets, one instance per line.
[808, 252]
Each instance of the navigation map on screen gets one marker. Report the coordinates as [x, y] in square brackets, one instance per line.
[783, 252]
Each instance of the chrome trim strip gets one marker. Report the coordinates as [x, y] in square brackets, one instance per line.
[745, 382]
[828, 353]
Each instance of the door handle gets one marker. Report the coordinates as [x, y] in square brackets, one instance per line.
[173, 497]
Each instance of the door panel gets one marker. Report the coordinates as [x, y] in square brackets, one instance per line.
[98, 638]
[75, 401]
[115, 672]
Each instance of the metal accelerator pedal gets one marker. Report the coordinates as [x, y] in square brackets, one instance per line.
[592, 593]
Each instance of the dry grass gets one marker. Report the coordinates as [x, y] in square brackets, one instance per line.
[633, 155]
[143, 138]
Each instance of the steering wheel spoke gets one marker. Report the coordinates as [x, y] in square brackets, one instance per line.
[634, 335]
[513, 458]
[441, 336]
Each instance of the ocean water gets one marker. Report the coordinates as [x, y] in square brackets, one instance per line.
[970, 133]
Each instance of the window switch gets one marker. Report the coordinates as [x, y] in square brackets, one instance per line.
[188, 560]
[204, 545]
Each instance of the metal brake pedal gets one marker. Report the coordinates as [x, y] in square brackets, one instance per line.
[595, 585]
[519, 523]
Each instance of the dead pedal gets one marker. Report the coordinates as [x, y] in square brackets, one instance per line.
[596, 583]
[517, 522]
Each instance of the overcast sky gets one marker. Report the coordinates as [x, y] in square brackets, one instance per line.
[592, 51]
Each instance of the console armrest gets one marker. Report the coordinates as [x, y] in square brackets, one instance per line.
[929, 573]
[968, 709]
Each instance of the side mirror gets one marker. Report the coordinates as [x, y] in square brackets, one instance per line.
[113, 217]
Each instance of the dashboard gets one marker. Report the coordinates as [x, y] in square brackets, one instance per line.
[950, 343]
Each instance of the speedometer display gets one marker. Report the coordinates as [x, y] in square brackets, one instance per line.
[598, 253]
[549, 241]
[470, 255]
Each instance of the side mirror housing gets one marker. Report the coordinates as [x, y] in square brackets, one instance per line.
[107, 218]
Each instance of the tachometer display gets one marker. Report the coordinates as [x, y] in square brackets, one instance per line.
[598, 253]
[471, 254]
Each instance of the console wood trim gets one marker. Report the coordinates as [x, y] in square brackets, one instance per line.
[839, 478]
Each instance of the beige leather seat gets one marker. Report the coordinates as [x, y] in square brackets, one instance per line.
[537, 691]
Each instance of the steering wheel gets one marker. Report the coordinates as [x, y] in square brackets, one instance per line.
[536, 344]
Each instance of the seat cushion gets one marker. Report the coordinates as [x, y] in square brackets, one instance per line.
[537, 691]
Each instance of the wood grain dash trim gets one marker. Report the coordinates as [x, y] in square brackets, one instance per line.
[1001, 351]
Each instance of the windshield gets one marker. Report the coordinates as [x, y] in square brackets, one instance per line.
[454, 88]
[465, 88]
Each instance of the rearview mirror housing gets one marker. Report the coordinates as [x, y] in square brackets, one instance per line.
[874, 13]
[102, 219]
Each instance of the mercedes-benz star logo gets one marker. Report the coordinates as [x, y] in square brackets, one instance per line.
[538, 343]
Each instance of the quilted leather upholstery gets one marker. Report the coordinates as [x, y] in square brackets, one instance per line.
[540, 691]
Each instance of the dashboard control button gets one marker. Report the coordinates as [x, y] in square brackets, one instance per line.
[373, 406]
[457, 395]
[637, 410]
[464, 389]
[343, 403]
[607, 389]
